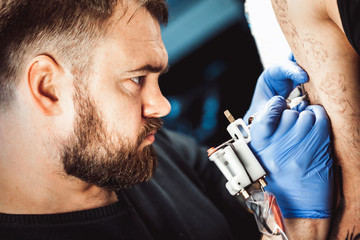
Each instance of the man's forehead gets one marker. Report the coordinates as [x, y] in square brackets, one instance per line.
[135, 28]
[131, 15]
[135, 40]
[145, 55]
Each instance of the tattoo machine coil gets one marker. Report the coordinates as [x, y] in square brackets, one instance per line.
[246, 177]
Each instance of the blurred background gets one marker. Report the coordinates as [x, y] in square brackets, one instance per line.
[214, 65]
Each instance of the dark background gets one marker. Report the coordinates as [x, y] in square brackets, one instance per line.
[214, 65]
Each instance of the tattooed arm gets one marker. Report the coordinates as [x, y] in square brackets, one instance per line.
[314, 31]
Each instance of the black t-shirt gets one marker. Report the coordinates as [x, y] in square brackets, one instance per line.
[185, 199]
[350, 17]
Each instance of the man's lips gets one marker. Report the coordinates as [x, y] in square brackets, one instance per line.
[151, 137]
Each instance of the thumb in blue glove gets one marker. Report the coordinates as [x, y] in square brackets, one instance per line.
[279, 79]
[294, 149]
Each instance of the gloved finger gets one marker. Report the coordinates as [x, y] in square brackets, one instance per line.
[283, 78]
[291, 57]
[302, 106]
[287, 121]
[265, 123]
[258, 106]
[322, 122]
[303, 125]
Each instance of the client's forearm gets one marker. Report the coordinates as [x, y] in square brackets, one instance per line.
[302, 228]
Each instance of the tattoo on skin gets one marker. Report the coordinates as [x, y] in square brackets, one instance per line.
[314, 51]
[310, 52]
[308, 49]
[350, 139]
[334, 89]
[333, 85]
[294, 37]
[333, 92]
[314, 96]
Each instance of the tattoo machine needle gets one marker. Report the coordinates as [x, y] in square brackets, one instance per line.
[296, 96]
[295, 101]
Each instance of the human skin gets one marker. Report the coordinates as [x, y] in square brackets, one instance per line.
[302, 229]
[123, 84]
[314, 32]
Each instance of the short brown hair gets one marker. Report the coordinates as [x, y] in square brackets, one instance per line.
[67, 27]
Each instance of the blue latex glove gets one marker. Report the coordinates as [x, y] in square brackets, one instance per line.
[278, 79]
[294, 148]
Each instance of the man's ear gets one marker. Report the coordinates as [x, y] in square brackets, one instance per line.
[44, 76]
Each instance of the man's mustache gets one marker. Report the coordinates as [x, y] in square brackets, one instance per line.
[151, 125]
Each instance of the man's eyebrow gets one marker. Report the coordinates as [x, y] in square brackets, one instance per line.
[151, 68]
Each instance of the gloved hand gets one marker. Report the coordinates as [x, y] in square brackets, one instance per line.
[294, 148]
[278, 79]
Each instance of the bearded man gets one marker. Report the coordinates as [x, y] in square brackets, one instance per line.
[80, 106]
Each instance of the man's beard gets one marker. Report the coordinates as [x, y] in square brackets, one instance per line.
[105, 159]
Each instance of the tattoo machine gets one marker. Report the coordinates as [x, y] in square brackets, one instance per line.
[246, 177]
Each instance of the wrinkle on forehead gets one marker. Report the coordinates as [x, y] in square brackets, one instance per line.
[142, 33]
[129, 19]
[125, 11]
[138, 40]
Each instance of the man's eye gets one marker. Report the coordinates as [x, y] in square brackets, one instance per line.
[137, 80]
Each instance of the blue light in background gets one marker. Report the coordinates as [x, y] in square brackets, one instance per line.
[193, 22]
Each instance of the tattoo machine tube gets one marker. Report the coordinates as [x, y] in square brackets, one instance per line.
[267, 213]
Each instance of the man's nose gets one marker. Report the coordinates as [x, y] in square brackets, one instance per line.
[155, 105]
